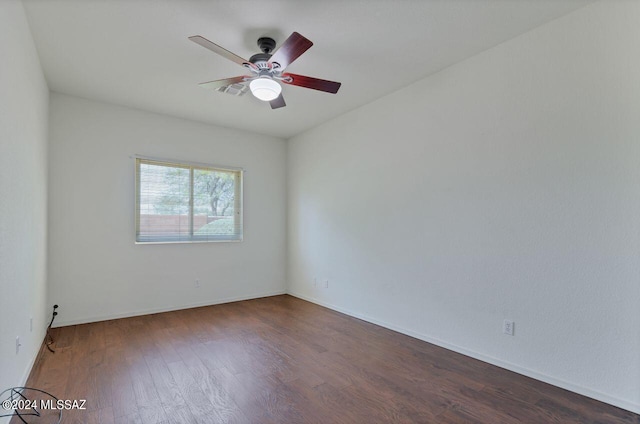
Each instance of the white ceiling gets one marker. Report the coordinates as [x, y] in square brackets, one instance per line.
[136, 53]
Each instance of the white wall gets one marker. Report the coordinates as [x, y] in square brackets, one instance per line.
[506, 186]
[23, 196]
[96, 271]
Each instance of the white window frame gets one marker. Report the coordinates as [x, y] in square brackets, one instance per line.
[238, 200]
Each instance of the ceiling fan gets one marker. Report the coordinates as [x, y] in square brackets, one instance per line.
[267, 69]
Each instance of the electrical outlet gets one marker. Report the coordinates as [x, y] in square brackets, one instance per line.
[31, 324]
[315, 281]
[18, 345]
[326, 283]
[196, 284]
[508, 327]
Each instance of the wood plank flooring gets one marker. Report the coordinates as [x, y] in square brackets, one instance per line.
[284, 360]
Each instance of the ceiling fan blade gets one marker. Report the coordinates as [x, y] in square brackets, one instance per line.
[290, 50]
[214, 85]
[311, 82]
[278, 102]
[220, 50]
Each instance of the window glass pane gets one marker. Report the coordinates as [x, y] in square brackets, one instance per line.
[179, 202]
[163, 202]
[214, 203]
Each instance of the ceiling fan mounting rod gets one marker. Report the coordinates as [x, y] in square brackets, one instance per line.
[266, 44]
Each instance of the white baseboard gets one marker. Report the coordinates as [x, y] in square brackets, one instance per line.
[24, 378]
[164, 309]
[27, 371]
[620, 403]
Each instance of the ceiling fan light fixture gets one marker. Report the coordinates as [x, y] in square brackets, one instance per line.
[265, 89]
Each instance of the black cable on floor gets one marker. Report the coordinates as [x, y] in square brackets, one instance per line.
[17, 397]
[49, 339]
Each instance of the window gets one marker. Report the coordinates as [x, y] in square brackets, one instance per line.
[182, 202]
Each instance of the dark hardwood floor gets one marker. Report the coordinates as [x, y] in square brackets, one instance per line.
[284, 360]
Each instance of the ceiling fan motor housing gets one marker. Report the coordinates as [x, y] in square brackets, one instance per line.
[260, 60]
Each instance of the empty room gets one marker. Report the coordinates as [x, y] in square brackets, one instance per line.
[284, 211]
